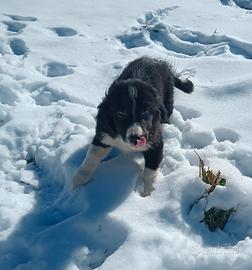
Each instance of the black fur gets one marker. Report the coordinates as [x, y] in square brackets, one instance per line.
[143, 94]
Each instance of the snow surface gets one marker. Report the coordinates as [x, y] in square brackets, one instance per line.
[56, 61]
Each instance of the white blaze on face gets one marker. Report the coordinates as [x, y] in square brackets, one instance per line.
[134, 130]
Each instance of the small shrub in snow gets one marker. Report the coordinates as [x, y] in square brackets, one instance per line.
[214, 218]
[217, 218]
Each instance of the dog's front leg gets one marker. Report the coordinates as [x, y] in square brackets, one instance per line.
[153, 158]
[93, 158]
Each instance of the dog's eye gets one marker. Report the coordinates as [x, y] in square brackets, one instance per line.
[121, 114]
[145, 115]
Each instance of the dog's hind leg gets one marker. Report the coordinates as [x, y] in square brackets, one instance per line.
[168, 101]
[165, 112]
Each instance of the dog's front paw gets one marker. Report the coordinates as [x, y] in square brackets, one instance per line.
[80, 179]
[147, 190]
[148, 178]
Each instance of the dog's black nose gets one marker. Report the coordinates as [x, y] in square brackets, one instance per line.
[133, 139]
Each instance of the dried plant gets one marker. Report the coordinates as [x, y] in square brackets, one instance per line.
[209, 177]
[214, 218]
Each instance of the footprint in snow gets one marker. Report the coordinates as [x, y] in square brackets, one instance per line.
[3, 117]
[245, 4]
[7, 96]
[188, 113]
[226, 134]
[134, 39]
[22, 18]
[18, 46]
[64, 31]
[45, 96]
[197, 139]
[15, 27]
[55, 69]
[225, 2]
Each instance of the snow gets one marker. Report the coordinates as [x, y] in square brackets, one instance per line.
[56, 62]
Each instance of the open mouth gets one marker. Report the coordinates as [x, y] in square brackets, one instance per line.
[140, 142]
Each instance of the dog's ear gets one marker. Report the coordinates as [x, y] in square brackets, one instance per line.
[111, 89]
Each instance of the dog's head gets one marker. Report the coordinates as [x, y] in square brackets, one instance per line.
[129, 111]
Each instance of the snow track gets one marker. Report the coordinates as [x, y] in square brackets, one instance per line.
[183, 42]
[64, 31]
[18, 46]
[22, 18]
[15, 27]
[246, 4]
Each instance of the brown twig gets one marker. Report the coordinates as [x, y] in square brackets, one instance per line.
[208, 177]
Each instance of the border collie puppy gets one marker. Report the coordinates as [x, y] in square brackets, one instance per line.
[129, 117]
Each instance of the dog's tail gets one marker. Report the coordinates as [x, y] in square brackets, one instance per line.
[183, 84]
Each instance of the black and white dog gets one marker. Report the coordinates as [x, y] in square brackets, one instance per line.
[129, 117]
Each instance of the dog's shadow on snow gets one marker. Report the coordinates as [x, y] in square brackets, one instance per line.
[74, 226]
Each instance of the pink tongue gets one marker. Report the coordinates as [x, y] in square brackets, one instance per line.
[141, 142]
